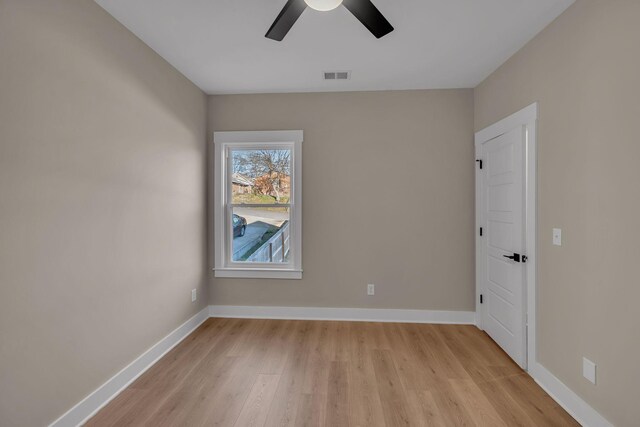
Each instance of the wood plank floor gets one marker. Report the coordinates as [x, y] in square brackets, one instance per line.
[239, 372]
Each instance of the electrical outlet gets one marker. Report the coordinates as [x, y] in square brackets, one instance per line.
[557, 236]
[194, 295]
[589, 370]
[371, 289]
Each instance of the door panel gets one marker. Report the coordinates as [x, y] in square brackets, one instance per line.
[502, 206]
[499, 234]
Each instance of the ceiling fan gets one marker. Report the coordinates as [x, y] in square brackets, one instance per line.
[363, 10]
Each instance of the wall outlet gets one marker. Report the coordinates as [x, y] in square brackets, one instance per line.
[589, 370]
[557, 236]
[371, 289]
[194, 295]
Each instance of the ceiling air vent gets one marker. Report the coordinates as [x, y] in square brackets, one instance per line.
[337, 75]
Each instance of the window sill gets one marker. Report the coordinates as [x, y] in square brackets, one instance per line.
[258, 273]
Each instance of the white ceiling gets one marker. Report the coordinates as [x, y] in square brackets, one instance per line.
[220, 44]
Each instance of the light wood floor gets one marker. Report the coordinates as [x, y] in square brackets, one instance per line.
[237, 372]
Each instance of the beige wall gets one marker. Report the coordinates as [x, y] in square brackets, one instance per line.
[584, 69]
[102, 198]
[388, 198]
[101, 203]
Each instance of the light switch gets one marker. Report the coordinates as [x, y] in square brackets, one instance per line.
[557, 236]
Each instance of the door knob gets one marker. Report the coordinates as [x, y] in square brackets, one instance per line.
[515, 257]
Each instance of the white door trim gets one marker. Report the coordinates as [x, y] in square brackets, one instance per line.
[527, 118]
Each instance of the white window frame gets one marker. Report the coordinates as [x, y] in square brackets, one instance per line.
[225, 141]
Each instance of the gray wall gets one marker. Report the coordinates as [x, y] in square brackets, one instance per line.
[584, 69]
[101, 203]
[388, 193]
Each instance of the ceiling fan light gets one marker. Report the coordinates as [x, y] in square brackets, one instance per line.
[323, 5]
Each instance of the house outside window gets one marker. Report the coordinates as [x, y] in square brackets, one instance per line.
[241, 184]
[257, 204]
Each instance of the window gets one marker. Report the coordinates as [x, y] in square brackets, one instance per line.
[257, 204]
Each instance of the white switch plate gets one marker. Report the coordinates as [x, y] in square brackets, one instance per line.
[557, 236]
[589, 370]
[194, 295]
[371, 289]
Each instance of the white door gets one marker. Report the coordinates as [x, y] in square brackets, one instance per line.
[501, 256]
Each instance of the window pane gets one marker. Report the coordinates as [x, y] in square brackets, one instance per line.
[260, 234]
[261, 176]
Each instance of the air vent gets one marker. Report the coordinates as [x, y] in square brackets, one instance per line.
[337, 75]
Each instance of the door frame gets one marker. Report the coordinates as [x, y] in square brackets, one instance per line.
[528, 119]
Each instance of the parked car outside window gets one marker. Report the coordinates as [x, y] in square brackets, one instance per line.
[239, 225]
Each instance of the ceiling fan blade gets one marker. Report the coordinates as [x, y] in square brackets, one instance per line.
[370, 16]
[285, 20]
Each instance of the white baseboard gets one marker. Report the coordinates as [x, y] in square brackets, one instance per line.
[346, 314]
[91, 404]
[569, 400]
